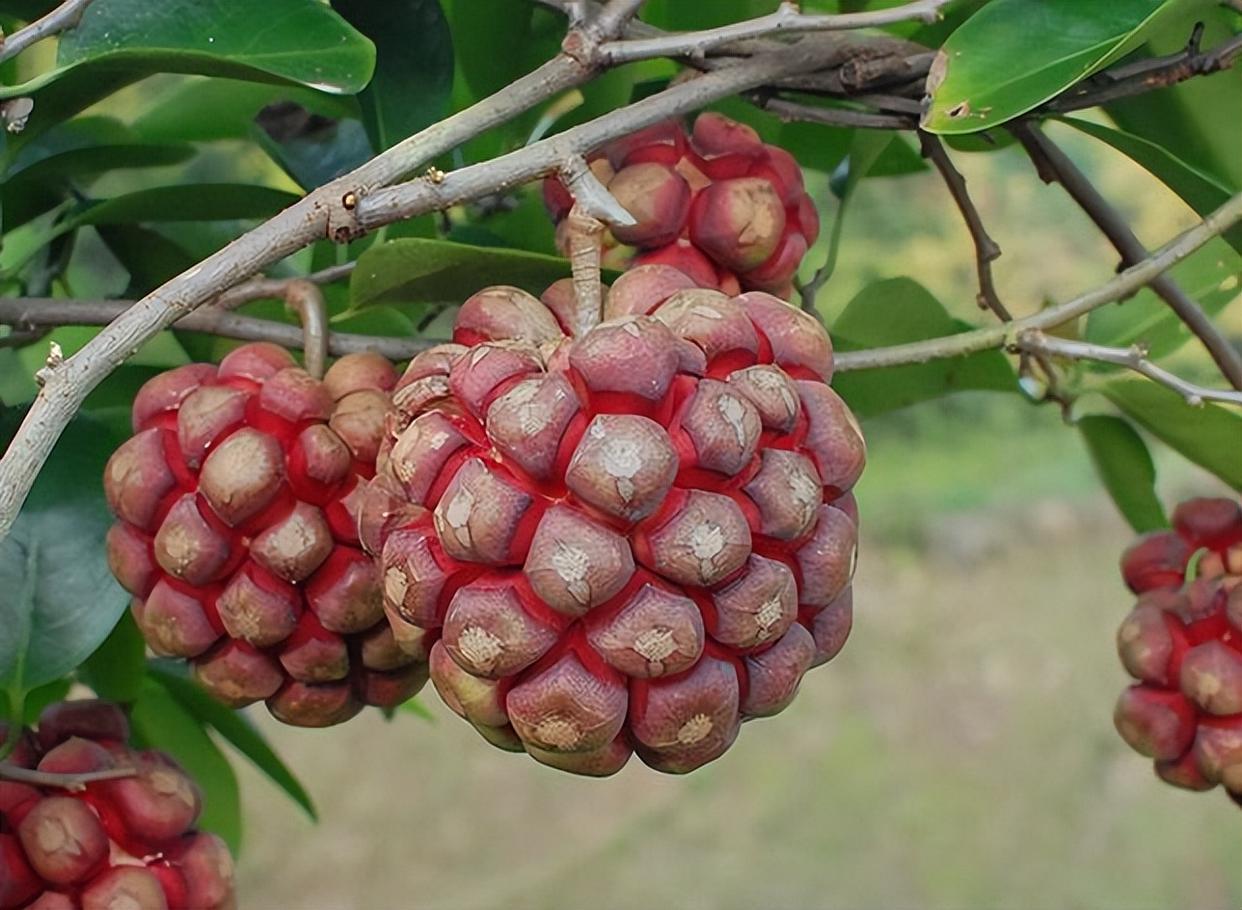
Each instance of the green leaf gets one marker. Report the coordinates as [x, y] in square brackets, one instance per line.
[418, 270]
[60, 598]
[319, 153]
[413, 65]
[1125, 466]
[161, 722]
[866, 148]
[485, 34]
[203, 109]
[189, 202]
[150, 258]
[418, 709]
[896, 311]
[1211, 276]
[1210, 436]
[118, 667]
[120, 41]
[1013, 55]
[238, 731]
[1198, 189]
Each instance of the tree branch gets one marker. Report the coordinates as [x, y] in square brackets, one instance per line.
[39, 314]
[1118, 288]
[71, 782]
[786, 19]
[1054, 165]
[1132, 358]
[64, 17]
[986, 249]
[264, 287]
[420, 196]
[830, 116]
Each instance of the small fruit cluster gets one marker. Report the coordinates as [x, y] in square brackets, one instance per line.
[237, 535]
[1183, 643]
[626, 541]
[720, 205]
[121, 843]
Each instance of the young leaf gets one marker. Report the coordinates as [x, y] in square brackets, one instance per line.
[1210, 435]
[60, 599]
[413, 65]
[239, 732]
[899, 310]
[161, 722]
[1125, 466]
[418, 270]
[1198, 189]
[1013, 55]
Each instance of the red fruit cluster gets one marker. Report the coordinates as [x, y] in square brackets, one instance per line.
[720, 205]
[628, 541]
[124, 843]
[237, 498]
[1183, 643]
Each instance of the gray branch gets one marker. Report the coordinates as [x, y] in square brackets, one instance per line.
[1132, 358]
[64, 17]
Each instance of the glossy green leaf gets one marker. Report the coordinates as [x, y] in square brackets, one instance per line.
[413, 65]
[485, 34]
[118, 668]
[1125, 466]
[60, 599]
[896, 311]
[319, 153]
[418, 270]
[239, 732]
[1013, 55]
[1212, 276]
[120, 41]
[161, 722]
[1210, 436]
[1198, 189]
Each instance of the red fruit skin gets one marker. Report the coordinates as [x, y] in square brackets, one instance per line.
[117, 844]
[719, 204]
[1183, 644]
[237, 503]
[626, 542]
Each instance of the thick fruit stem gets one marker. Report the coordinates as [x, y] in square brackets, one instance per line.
[586, 234]
[305, 300]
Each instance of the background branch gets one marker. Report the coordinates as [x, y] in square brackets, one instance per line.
[1132, 358]
[1055, 166]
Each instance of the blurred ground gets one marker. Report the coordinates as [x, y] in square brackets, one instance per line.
[958, 753]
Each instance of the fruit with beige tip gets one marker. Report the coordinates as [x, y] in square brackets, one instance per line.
[627, 541]
[1182, 643]
[237, 532]
[114, 843]
[719, 205]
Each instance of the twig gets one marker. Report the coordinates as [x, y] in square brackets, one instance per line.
[1153, 73]
[1133, 358]
[276, 288]
[304, 299]
[71, 782]
[1054, 165]
[1118, 288]
[44, 313]
[787, 19]
[986, 249]
[831, 116]
[64, 17]
[591, 195]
